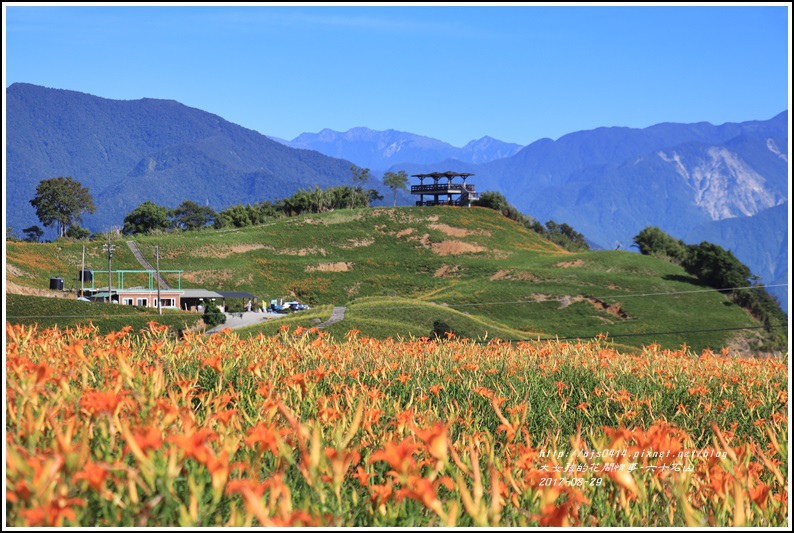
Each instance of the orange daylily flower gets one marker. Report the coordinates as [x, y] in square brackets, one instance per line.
[195, 444]
[623, 396]
[213, 362]
[554, 516]
[296, 518]
[435, 439]
[341, 460]
[241, 486]
[403, 419]
[380, 494]
[52, 514]
[224, 416]
[760, 495]
[43, 373]
[97, 402]
[148, 438]
[219, 469]
[94, 474]
[265, 436]
[362, 476]
[21, 491]
[398, 456]
[623, 479]
[425, 491]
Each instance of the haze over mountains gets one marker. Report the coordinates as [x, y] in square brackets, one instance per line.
[728, 182]
[381, 150]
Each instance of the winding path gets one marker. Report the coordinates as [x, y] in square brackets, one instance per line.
[241, 320]
[336, 315]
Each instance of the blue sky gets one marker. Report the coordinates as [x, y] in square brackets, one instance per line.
[517, 73]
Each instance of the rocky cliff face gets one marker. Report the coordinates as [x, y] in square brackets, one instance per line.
[723, 184]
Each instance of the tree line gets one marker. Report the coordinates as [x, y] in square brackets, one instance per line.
[61, 203]
[720, 269]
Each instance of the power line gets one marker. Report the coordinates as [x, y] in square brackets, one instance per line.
[560, 299]
[538, 339]
[653, 333]
[563, 298]
[479, 304]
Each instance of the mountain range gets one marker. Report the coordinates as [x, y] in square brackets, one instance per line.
[128, 152]
[728, 182]
[381, 150]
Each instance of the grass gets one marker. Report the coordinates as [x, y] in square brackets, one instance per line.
[500, 277]
[67, 313]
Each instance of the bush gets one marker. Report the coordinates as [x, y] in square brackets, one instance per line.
[441, 330]
[653, 241]
[234, 305]
[213, 316]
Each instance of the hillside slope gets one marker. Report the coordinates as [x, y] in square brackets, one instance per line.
[610, 183]
[472, 261]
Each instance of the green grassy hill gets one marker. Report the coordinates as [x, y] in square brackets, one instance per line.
[399, 270]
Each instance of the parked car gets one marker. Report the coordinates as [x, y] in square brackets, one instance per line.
[279, 306]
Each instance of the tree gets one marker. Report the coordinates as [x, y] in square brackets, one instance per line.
[396, 182]
[60, 202]
[373, 196]
[238, 216]
[33, 233]
[191, 216]
[716, 266]
[565, 236]
[213, 316]
[492, 200]
[146, 218]
[318, 201]
[653, 241]
[360, 178]
[78, 233]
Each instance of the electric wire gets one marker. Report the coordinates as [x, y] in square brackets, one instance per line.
[563, 298]
[479, 304]
[516, 302]
[650, 333]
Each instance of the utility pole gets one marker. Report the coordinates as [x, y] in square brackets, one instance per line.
[157, 262]
[82, 275]
[109, 249]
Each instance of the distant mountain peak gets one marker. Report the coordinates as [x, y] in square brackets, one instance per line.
[381, 150]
